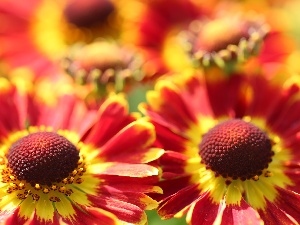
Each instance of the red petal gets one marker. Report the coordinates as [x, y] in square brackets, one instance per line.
[173, 162]
[131, 144]
[167, 139]
[10, 113]
[292, 169]
[242, 214]
[272, 214]
[11, 217]
[288, 201]
[130, 170]
[124, 210]
[91, 215]
[70, 113]
[113, 116]
[136, 198]
[226, 95]
[204, 211]
[172, 186]
[178, 201]
[14, 219]
[172, 111]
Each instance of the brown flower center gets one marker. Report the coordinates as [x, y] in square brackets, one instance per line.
[225, 39]
[89, 12]
[43, 158]
[236, 149]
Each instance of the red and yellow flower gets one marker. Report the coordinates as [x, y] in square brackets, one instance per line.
[38, 32]
[65, 164]
[153, 27]
[231, 148]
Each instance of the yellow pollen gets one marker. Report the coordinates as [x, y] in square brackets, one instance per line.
[37, 187]
[79, 180]
[45, 190]
[74, 172]
[54, 199]
[62, 189]
[35, 197]
[21, 186]
[268, 174]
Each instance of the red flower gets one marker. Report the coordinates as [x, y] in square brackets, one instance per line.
[232, 148]
[38, 32]
[67, 164]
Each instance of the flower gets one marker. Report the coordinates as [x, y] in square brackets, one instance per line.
[65, 164]
[231, 148]
[105, 65]
[244, 39]
[151, 39]
[38, 41]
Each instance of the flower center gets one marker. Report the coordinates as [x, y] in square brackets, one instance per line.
[236, 149]
[241, 38]
[42, 157]
[89, 12]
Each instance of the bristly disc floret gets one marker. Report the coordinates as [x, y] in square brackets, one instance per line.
[224, 41]
[43, 158]
[236, 149]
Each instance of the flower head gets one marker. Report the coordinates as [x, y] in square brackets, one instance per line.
[33, 39]
[231, 151]
[104, 64]
[66, 164]
[241, 38]
[152, 39]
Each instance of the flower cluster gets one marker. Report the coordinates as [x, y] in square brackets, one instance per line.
[112, 110]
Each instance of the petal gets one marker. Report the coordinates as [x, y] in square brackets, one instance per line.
[35, 220]
[137, 198]
[69, 113]
[11, 217]
[10, 117]
[292, 169]
[132, 144]
[168, 108]
[226, 94]
[178, 201]
[130, 170]
[135, 188]
[240, 214]
[272, 214]
[168, 140]
[112, 117]
[288, 201]
[92, 215]
[124, 210]
[172, 186]
[173, 163]
[204, 211]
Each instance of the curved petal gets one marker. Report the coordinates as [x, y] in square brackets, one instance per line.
[112, 117]
[129, 170]
[272, 214]
[92, 215]
[204, 211]
[288, 201]
[178, 201]
[132, 144]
